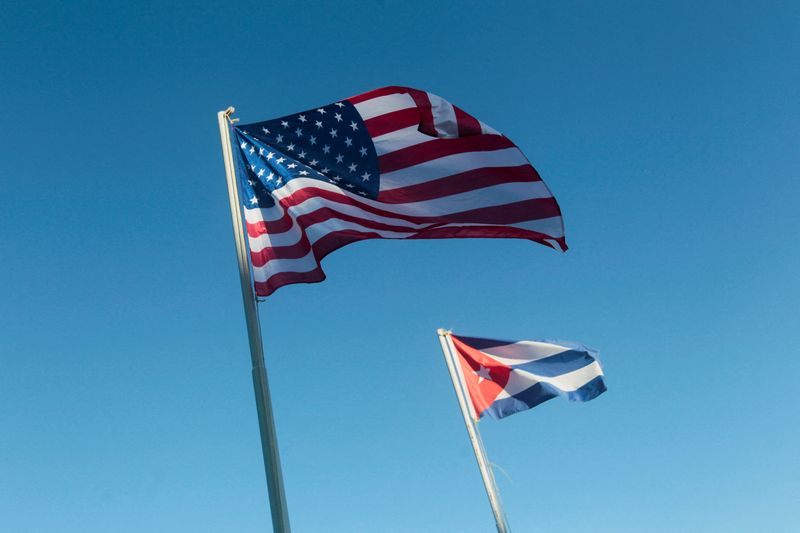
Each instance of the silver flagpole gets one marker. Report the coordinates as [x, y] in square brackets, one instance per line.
[448, 350]
[266, 421]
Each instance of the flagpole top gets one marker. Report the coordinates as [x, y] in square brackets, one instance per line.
[227, 114]
[441, 332]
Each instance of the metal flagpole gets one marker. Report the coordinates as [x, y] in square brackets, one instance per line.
[448, 350]
[266, 421]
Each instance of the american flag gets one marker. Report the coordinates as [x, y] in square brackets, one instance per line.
[393, 163]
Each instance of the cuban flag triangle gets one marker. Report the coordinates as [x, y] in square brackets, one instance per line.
[505, 377]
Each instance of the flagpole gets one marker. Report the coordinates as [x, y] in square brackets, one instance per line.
[448, 350]
[266, 420]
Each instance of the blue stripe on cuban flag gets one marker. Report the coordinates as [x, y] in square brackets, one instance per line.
[527, 373]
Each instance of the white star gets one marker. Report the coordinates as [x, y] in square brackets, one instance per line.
[350, 186]
[313, 162]
[363, 151]
[280, 160]
[270, 156]
[302, 118]
[253, 200]
[279, 138]
[348, 141]
[339, 158]
[252, 150]
[265, 130]
[483, 373]
[253, 168]
[318, 123]
[260, 172]
[337, 178]
[284, 124]
[298, 132]
[354, 126]
[338, 117]
[312, 140]
[243, 146]
[280, 180]
[290, 147]
[352, 167]
[251, 182]
[304, 172]
[321, 111]
[324, 170]
[326, 149]
[302, 154]
[260, 151]
[333, 132]
[270, 176]
[339, 104]
[362, 193]
[332, 181]
[291, 165]
[365, 176]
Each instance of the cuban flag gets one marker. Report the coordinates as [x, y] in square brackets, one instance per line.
[505, 377]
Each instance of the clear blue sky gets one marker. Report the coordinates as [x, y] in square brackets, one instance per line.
[667, 130]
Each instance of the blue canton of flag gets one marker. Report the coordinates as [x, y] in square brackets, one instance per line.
[329, 143]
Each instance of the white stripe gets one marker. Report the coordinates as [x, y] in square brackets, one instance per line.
[444, 116]
[315, 232]
[523, 352]
[384, 104]
[485, 128]
[451, 164]
[306, 263]
[399, 139]
[254, 216]
[519, 380]
[500, 194]
[553, 227]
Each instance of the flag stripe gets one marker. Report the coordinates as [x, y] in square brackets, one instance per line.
[384, 104]
[444, 116]
[449, 165]
[393, 121]
[399, 139]
[467, 124]
[463, 207]
[438, 148]
[541, 392]
[305, 256]
[463, 181]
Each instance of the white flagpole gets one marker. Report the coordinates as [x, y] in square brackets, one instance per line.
[266, 421]
[448, 350]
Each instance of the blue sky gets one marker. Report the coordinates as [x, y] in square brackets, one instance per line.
[668, 132]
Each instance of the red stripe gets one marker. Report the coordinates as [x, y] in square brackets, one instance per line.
[323, 247]
[303, 246]
[467, 124]
[501, 214]
[426, 124]
[393, 121]
[276, 281]
[440, 147]
[299, 249]
[383, 91]
[486, 232]
[457, 183]
[335, 240]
